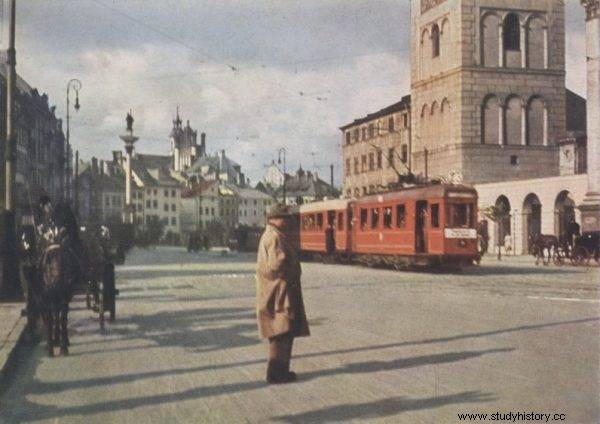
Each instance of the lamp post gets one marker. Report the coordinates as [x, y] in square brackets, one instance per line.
[9, 279]
[74, 84]
[279, 162]
[129, 139]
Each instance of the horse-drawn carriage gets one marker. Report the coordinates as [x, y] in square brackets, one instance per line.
[578, 250]
[586, 248]
[99, 273]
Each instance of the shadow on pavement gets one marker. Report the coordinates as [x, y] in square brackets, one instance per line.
[47, 412]
[382, 408]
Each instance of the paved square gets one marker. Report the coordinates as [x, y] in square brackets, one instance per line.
[386, 346]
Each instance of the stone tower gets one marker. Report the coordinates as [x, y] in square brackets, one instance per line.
[590, 208]
[488, 88]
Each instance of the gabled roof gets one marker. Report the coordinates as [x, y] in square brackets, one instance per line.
[197, 189]
[157, 175]
[403, 104]
[251, 193]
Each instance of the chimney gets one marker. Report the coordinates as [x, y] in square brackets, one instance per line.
[331, 169]
[94, 166]
[203, 144]
[102, 165]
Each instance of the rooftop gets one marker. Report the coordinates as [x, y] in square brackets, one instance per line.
[403, 104]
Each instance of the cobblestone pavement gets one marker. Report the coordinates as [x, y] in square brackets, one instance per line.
[386, 346]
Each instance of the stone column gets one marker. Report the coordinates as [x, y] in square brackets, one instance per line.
[590, 208]
[128, 212]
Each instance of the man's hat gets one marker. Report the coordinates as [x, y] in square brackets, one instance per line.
[278, 210]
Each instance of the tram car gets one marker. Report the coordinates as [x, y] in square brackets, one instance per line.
[427, 225]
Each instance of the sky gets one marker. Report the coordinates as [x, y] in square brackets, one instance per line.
[254, 75]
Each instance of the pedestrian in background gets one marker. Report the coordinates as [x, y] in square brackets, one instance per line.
[280, 308]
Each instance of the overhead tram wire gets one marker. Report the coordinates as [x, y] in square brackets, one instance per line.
[158, 31]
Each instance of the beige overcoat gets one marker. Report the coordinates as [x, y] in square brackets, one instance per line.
[279, 304]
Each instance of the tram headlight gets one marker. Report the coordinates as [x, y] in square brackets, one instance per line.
[462, 243]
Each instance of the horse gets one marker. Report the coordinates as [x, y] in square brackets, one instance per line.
[53, 280]
[541, 242]
[95, 257]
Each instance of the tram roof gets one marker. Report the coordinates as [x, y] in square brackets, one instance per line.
[334, 204]
[419, 192]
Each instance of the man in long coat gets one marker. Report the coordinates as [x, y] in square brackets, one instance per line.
[280, 308]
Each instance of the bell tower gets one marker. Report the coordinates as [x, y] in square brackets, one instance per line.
[487, 88]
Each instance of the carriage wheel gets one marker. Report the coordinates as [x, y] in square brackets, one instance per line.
[558, 258]
[581, 256]
[101, 298]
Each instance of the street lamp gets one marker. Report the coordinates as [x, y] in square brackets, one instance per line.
[74, 84]
[129, 139]
[279, 162]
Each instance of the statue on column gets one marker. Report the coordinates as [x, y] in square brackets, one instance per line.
[129, 119]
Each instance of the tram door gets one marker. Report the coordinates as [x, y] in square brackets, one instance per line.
[420, 222]
[330, 232]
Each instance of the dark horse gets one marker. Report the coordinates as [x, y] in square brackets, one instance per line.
[542, 242]
[58, 271]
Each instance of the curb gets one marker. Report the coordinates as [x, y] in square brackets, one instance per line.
[9, 350]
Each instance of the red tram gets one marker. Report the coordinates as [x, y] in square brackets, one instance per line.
[431, 225]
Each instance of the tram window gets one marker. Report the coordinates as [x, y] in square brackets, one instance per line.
[363, 219]
[308, 222]
[374, 217]
[340, 221]
[387, 217]
[350, 220]
[320, 221]
[401, 216]
[461, 215]
[435, 215]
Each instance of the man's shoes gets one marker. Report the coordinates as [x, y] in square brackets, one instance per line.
[277, 373]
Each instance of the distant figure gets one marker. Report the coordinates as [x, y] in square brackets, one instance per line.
[280, 308]
[330, 239]
[573, 231]
[507, 243]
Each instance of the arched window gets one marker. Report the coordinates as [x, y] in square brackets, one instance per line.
[536, 44]
[435, 40]
[434, 130]
[425, 58]
[424, 125]
[513, 121]
[490, 54]
[536, 122]
[490, 120]
[445, 46]
[446, 129]
[512, 32]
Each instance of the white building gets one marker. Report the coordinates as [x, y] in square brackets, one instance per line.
[252, 206]
[199, 206]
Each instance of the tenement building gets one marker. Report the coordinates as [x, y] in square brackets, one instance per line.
[376, 149]
[489, 107]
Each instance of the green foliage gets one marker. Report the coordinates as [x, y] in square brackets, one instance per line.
[494, 213]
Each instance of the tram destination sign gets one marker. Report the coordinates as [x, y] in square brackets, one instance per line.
[460, 233]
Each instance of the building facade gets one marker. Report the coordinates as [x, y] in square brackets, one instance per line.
[376, 149]
[252, 206]
[487, 88]
[40, 149]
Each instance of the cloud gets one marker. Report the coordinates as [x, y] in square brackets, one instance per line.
[301, 70]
